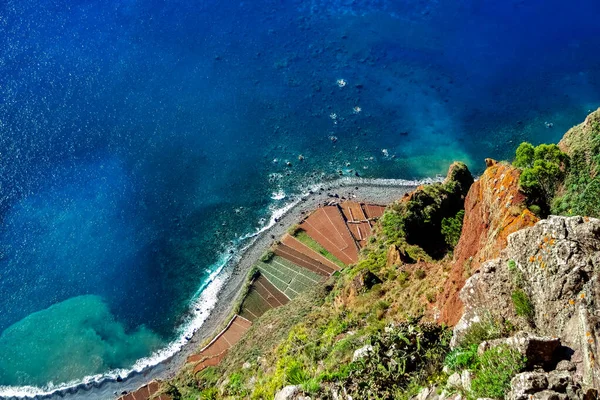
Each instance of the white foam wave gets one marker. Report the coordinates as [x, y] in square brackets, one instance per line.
[278, 195]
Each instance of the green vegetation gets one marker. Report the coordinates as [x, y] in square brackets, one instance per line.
[452, 227]
[267, 256]
[420, 218]
[287, 276]
[303, 237]
[402, 359]
[543, 170]
[294, 229]
[462, 358]
[522, 303]
[494, 370]
[520, 299]
[485, 330]
[580, 194]
[310, 342]
[559, 183]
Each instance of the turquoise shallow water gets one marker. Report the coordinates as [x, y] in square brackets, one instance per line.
[139, 140]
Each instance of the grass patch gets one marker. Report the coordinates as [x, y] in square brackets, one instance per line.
[303, 237]
[496, 367]
[522, 303]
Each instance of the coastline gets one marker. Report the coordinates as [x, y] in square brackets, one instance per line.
[233, 278]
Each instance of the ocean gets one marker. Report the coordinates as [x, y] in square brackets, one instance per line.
[142, 141]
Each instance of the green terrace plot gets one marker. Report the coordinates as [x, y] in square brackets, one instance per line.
[314, 245]
[288, 277]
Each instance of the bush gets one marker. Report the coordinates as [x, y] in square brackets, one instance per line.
[477, 332]
[452, 227]
[522, 303]
[537, 210]
[402, 356]
[420, 274]
[543, 169]
[462, 358]
[268, 256]
[496, 367]
[209, 394]
[296, 375]
[311, 386]
[512, 265]
[294, 229]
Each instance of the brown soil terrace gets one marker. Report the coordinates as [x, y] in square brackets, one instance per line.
[342, 229]
[297, 245]
[327, 226]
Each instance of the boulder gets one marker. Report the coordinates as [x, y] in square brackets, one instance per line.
[559, 380]
[548, 395]
[287, 393]
[527, 383]
[364, 281]
[454, 380]
[362, 352]
[465, 380]
[398, 256]
[538, 350]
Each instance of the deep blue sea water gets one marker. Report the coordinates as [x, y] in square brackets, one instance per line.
[138, 138]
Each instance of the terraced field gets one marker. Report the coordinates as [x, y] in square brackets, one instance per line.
[289, 278]
[261, 297]
[303, 260]
[329, 240]
[313, 247]
[327, 226]
[146, 392]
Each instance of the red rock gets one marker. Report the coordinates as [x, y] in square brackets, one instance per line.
[493, 210]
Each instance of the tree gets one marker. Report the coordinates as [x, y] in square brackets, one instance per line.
[524, 155]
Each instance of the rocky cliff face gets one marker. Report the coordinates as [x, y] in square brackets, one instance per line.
[556, 263]
[578, 138]
[493, 210]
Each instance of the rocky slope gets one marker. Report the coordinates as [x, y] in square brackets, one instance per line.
[556, 264]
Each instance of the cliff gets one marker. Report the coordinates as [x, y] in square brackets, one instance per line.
[494, 208]
[520, 293]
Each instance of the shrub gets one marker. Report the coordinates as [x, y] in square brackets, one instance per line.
[462, 358]
[402, 356]
[543, 169]
[403, 277]
[294, 229]
[311, 386]
[420, 274]
[477, 332]
[296, 374]
[267, 256]
[209, 394]
[496, 367]
[522, 303]
[452, 227]
[512, 265]
[537, 210]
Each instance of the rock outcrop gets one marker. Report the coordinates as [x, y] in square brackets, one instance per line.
[556, 264]
[424, 209]
[493, 210]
